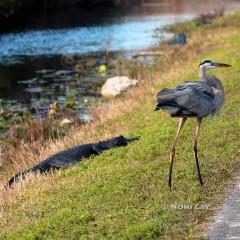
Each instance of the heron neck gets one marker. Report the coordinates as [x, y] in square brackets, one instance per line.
[217, 87]
[202, 73]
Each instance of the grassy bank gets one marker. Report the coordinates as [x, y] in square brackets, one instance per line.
[123, 193]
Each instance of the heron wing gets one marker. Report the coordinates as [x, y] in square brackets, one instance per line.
[198, 85]
[193, 98]
[196, 98]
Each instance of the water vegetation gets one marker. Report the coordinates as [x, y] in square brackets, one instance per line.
[55, 95]
[123, 193]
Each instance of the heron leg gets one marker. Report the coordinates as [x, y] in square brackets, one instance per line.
[199, 120]
[182, 120]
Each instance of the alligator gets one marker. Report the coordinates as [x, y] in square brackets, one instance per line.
[71, 156]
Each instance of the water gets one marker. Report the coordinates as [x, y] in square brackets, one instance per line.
[30, 59]
[131, 33]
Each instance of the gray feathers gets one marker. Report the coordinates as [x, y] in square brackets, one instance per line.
[193, 98]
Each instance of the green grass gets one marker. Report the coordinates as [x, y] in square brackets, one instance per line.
[123, 193]
[186, 27]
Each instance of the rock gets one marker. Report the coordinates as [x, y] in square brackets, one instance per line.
[179, 38]
[116, 85]
[65, 121]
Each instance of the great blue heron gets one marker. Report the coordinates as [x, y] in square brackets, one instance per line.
[193, 99]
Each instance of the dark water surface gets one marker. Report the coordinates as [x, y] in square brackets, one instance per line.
[56, 57]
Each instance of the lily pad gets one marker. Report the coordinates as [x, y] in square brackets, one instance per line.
[72, 91]
[64, 72]
[44, 71]
[102, 68]
[3, 123]
[34, 90]
[70, 102]
[61, 99]
[29, 81]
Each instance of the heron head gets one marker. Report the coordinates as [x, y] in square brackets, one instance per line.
[209, 64]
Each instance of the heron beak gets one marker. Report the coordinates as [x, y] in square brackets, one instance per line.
[222, 65]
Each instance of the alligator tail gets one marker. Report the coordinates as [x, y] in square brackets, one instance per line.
[16, 178]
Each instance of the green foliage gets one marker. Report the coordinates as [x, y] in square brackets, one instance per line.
[229, 20]
[186, 27]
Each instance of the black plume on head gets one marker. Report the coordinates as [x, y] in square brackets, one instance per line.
[204, 61]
